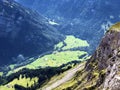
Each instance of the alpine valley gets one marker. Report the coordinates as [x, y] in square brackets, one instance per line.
[59, 45]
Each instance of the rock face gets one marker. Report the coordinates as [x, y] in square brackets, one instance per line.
[23, 31]
[107, 59]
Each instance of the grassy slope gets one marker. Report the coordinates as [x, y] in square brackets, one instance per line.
[115, 27]
[78, 81]
[6, 88]
[56, 78]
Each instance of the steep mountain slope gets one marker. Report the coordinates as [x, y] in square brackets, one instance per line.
[101, 71]
[86, 19]
[24, 33]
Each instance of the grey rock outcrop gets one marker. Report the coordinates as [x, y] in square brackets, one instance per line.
[107, 60]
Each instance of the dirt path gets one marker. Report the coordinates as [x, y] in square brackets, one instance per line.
[66, 78]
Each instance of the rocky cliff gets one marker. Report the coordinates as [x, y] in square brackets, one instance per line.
[107, 59]
[23, 31]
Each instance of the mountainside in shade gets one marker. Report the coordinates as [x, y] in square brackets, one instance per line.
[23, 32]
[86, 19]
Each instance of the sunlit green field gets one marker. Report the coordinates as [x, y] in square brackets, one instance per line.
[1, 73]
[53, 60]
[71, 42]
[57, 59]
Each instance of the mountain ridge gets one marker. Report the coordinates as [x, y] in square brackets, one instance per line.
[24, 32]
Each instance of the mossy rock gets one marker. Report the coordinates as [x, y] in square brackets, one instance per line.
[118, 54]
[115, 27]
